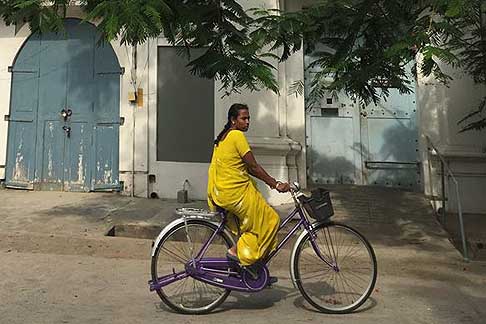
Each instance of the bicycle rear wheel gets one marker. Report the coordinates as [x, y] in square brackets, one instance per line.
[345, 286]
[189, 296]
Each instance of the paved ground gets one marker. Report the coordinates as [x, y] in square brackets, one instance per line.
[58, 267]
[474, 229]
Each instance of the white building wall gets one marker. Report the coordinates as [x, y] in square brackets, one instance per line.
[276, 135]
[441, 108]
[134, 142]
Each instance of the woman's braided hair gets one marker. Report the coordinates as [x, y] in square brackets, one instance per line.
[232, 113]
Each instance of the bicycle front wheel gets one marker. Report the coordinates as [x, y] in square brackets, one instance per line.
[175, 250]
[348, 282]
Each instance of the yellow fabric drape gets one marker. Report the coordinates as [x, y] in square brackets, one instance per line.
[230, 187]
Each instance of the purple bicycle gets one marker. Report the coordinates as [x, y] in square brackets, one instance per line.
[333, 266]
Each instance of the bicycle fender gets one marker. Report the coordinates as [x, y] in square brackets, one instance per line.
[178, 221]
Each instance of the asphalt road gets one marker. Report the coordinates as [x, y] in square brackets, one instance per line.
[414, 286]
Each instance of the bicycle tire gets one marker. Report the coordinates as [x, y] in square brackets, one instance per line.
[322, 295]
[185, 307]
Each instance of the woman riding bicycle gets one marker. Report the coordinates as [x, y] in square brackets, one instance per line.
[231, 187]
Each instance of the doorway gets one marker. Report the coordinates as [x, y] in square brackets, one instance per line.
[64, 112]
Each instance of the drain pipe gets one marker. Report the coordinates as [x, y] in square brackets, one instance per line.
[134, 84]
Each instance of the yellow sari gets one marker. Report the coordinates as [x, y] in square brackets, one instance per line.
[230, 187]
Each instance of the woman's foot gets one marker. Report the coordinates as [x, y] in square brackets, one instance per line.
[232, 251]
[232, 255]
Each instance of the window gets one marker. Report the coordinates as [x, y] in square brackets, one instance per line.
[185, 109]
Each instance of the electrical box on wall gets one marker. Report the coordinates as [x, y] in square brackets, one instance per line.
[132, 97]
[136, 97]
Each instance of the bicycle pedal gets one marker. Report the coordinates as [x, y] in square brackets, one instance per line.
[252, 272]
[271, 282]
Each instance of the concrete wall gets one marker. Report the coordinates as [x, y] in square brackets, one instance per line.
[440, 110]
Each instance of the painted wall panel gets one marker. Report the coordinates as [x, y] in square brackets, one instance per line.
[77, 157]
[25, 85]
[332, 152]
[52, 155]
[106, 157]
[21, 153]
[185, 109]
[391, 140]
[106, 104]
[10, 43]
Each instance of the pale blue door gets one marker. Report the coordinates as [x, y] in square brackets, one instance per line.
[389, 142]
[71, 101]
[349, 143]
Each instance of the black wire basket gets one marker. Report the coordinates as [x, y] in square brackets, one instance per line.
[319, 204]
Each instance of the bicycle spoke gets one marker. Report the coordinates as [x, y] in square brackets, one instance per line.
[353, 281]
[332, 245]
[183, 261]
[349, 255]
[347, 284]
[359, 280]
[174, 252]
[341, 290]
[316, 275]
[336, 290]
[311, 256]
[337, 244]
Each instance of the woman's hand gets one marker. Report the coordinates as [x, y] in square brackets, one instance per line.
[282, 186]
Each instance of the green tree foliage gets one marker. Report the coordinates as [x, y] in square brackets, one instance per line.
[469, 17]
[235, 55]
[365, 47]
[36, 13]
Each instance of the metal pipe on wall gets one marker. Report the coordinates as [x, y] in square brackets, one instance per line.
[134, 84]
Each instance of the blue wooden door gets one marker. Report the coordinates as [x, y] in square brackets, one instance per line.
[69, 104]
[107, 119]
[20, 166]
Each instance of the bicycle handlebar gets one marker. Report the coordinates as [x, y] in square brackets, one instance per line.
[294, 187]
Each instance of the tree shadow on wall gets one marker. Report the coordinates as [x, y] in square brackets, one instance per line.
[399, 145]
[325, 169]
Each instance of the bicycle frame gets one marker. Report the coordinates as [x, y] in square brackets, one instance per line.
[303, 221]
[221, 271]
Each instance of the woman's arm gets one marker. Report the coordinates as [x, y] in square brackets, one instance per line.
[258, 171]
